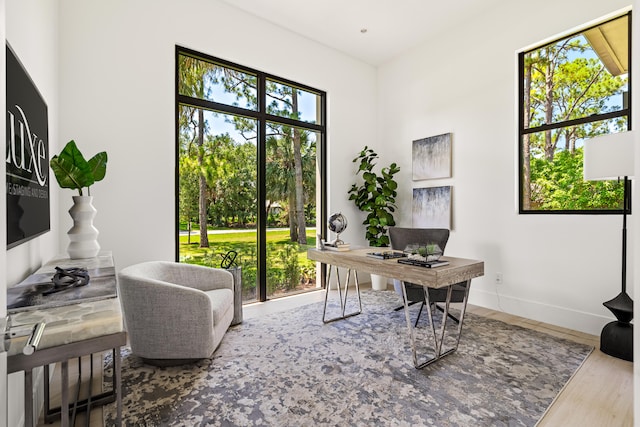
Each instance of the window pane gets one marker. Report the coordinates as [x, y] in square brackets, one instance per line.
[552, 170]
[293, 103]
[577, 77]
[217, 164]
[234, 179]
[291, 209]
[206, 80]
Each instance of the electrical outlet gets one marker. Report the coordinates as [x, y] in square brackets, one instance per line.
[498, 278]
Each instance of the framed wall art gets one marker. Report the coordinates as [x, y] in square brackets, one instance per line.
[431, 207]
[431, 157]
[27, 156]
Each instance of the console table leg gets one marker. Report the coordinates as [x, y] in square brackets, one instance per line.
[117, 383]
[64, 402]
[47, 397]
[28, 398]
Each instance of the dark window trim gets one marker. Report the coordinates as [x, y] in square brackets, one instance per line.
[522, 131]
[262, 117]
[574, 122]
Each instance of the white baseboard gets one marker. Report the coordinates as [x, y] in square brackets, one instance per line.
[561, 316]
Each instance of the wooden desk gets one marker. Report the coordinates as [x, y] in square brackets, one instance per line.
[459, 272]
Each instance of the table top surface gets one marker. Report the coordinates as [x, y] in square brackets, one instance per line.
[72, 315]
[28, 294]
[458, 269]
[68, 324]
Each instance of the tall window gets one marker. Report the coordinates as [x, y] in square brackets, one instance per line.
[572, 89]
[250, 173]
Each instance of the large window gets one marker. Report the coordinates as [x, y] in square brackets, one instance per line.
[250, 173]
[572, 89]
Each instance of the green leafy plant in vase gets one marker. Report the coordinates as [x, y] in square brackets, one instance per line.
[376, 195]
[73, 171]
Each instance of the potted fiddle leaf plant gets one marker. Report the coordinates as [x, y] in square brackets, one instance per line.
[376, 195]
[73, 171]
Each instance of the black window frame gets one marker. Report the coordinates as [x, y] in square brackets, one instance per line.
[262, 118]
[559, 125]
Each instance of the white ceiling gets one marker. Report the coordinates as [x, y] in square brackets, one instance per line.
[393, 26]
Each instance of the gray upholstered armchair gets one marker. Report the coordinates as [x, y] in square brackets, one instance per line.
[175, 312]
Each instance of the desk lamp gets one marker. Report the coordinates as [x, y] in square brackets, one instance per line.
[609, 157]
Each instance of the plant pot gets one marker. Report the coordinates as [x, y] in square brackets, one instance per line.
[378, 283]
[83, 236]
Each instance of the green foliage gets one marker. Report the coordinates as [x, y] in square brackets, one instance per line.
[188, 197]
[428, 249]
[228, 167]
[73, 171]
[288, 268]
[559, 185]
[283, 267]
[566, 81]
[376, 195]
[231, 177]
[289, 258]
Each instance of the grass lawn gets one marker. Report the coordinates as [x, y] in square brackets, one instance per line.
[288, 268]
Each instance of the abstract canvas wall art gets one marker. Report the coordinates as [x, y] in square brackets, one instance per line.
[431, 207]
[432, 157]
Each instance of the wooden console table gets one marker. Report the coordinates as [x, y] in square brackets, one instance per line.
[459, 271]
[88, 321]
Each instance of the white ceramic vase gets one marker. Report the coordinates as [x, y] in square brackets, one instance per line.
[378, 283]
[83, 236]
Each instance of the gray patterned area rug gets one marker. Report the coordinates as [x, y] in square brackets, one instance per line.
[290, 369]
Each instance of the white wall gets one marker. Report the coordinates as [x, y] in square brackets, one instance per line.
[557, 268]
[117, 94]
[31, 30]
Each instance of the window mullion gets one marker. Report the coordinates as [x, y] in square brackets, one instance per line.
[580, 121]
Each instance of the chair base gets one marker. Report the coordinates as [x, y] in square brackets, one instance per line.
[410, 304]
[165, 363]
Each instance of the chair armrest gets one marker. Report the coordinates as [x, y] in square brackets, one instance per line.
[200, 277]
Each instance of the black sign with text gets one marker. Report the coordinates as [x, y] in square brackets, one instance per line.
[27, 156]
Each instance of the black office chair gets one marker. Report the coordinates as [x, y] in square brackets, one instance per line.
[403, 237]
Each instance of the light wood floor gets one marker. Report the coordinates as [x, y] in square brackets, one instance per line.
[600, 393]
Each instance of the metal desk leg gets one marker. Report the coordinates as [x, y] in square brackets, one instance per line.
[437, 339]
[343, 299]
[326, 294]
[357, 282]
